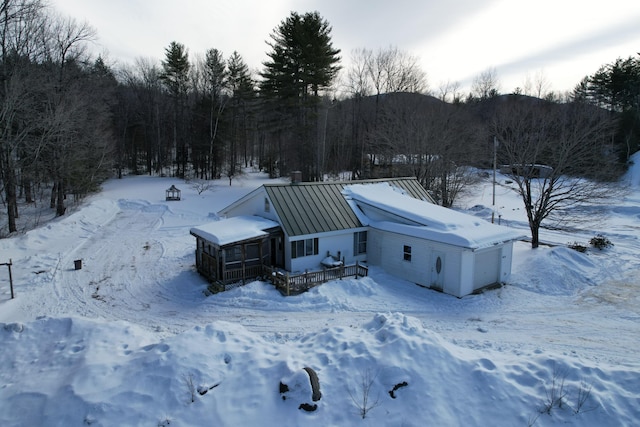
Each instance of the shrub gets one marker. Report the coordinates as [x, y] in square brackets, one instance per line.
[362, 397]
[559, 395]
[577, 247]
[600, 242]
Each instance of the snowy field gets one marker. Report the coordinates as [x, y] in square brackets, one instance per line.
[131, 340]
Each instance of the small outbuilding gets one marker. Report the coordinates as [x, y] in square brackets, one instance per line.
[173, 193]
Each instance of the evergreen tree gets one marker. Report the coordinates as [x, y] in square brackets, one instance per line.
[242, 90]
[302, 63]
[616, 87]
[215, 86]
[175, 76]
[239, 78]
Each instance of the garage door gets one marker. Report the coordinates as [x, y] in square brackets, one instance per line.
[487, 268]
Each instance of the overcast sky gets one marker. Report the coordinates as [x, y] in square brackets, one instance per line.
[455, 40]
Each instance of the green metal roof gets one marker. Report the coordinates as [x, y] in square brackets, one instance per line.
[318, 207]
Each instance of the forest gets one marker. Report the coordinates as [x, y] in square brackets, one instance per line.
[69, 120]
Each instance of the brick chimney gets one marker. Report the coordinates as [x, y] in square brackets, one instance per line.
[296, 177]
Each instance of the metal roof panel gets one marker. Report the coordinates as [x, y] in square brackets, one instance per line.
[317, 207]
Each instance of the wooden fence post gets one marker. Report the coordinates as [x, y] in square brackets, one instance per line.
[8, 264]
[10, 279]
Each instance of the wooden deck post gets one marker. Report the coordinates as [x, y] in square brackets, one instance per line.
[287, 279]
[243, 256]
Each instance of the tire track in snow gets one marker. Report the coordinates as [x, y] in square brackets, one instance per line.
[106, 279]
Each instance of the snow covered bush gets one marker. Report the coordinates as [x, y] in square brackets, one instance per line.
[600, 242]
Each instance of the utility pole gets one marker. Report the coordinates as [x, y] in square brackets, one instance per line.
[495, 156]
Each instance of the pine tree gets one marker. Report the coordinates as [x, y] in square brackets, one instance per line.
[175, 77]
[302, 63]
[215, 85]
[242, 89]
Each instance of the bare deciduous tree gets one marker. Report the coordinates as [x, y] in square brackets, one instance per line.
[450, 92]
[573, 139]
[486, 85]
[357, 83]
[386, 71]
[67, 100]
[538, 86]
[429, 139]
[21, 22]
[362, 397]
[374, 74]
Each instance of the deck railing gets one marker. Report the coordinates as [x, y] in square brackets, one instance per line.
[246, 273]
[285, 282]
[294, 284]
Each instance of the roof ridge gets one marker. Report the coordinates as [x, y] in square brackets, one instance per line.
[346, 182]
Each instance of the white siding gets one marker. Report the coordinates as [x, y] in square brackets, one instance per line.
[386, 249]
[462, 270]
[341, 242]
[254, 205]
[505, 264]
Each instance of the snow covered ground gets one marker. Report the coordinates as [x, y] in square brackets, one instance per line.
[131, 338]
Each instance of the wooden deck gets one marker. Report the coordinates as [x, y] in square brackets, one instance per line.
[294, 284]
[287, 283]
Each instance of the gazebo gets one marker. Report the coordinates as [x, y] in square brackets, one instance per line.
[173, 193]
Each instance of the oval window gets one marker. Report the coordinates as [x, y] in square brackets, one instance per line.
[438, 265]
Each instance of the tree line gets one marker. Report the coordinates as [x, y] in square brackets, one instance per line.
[69, 120]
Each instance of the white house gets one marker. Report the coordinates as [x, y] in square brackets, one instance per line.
[392, 223]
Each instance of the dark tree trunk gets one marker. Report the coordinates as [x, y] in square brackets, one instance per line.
[12, 200]
[52, 201]
[28, 190]
[60, 208]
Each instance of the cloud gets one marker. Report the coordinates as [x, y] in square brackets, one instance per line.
[456, 40]
[381, 23]
[570, 53]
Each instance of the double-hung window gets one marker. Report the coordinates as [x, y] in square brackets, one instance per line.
[407, 253]
[360, 242]
[305, 247]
